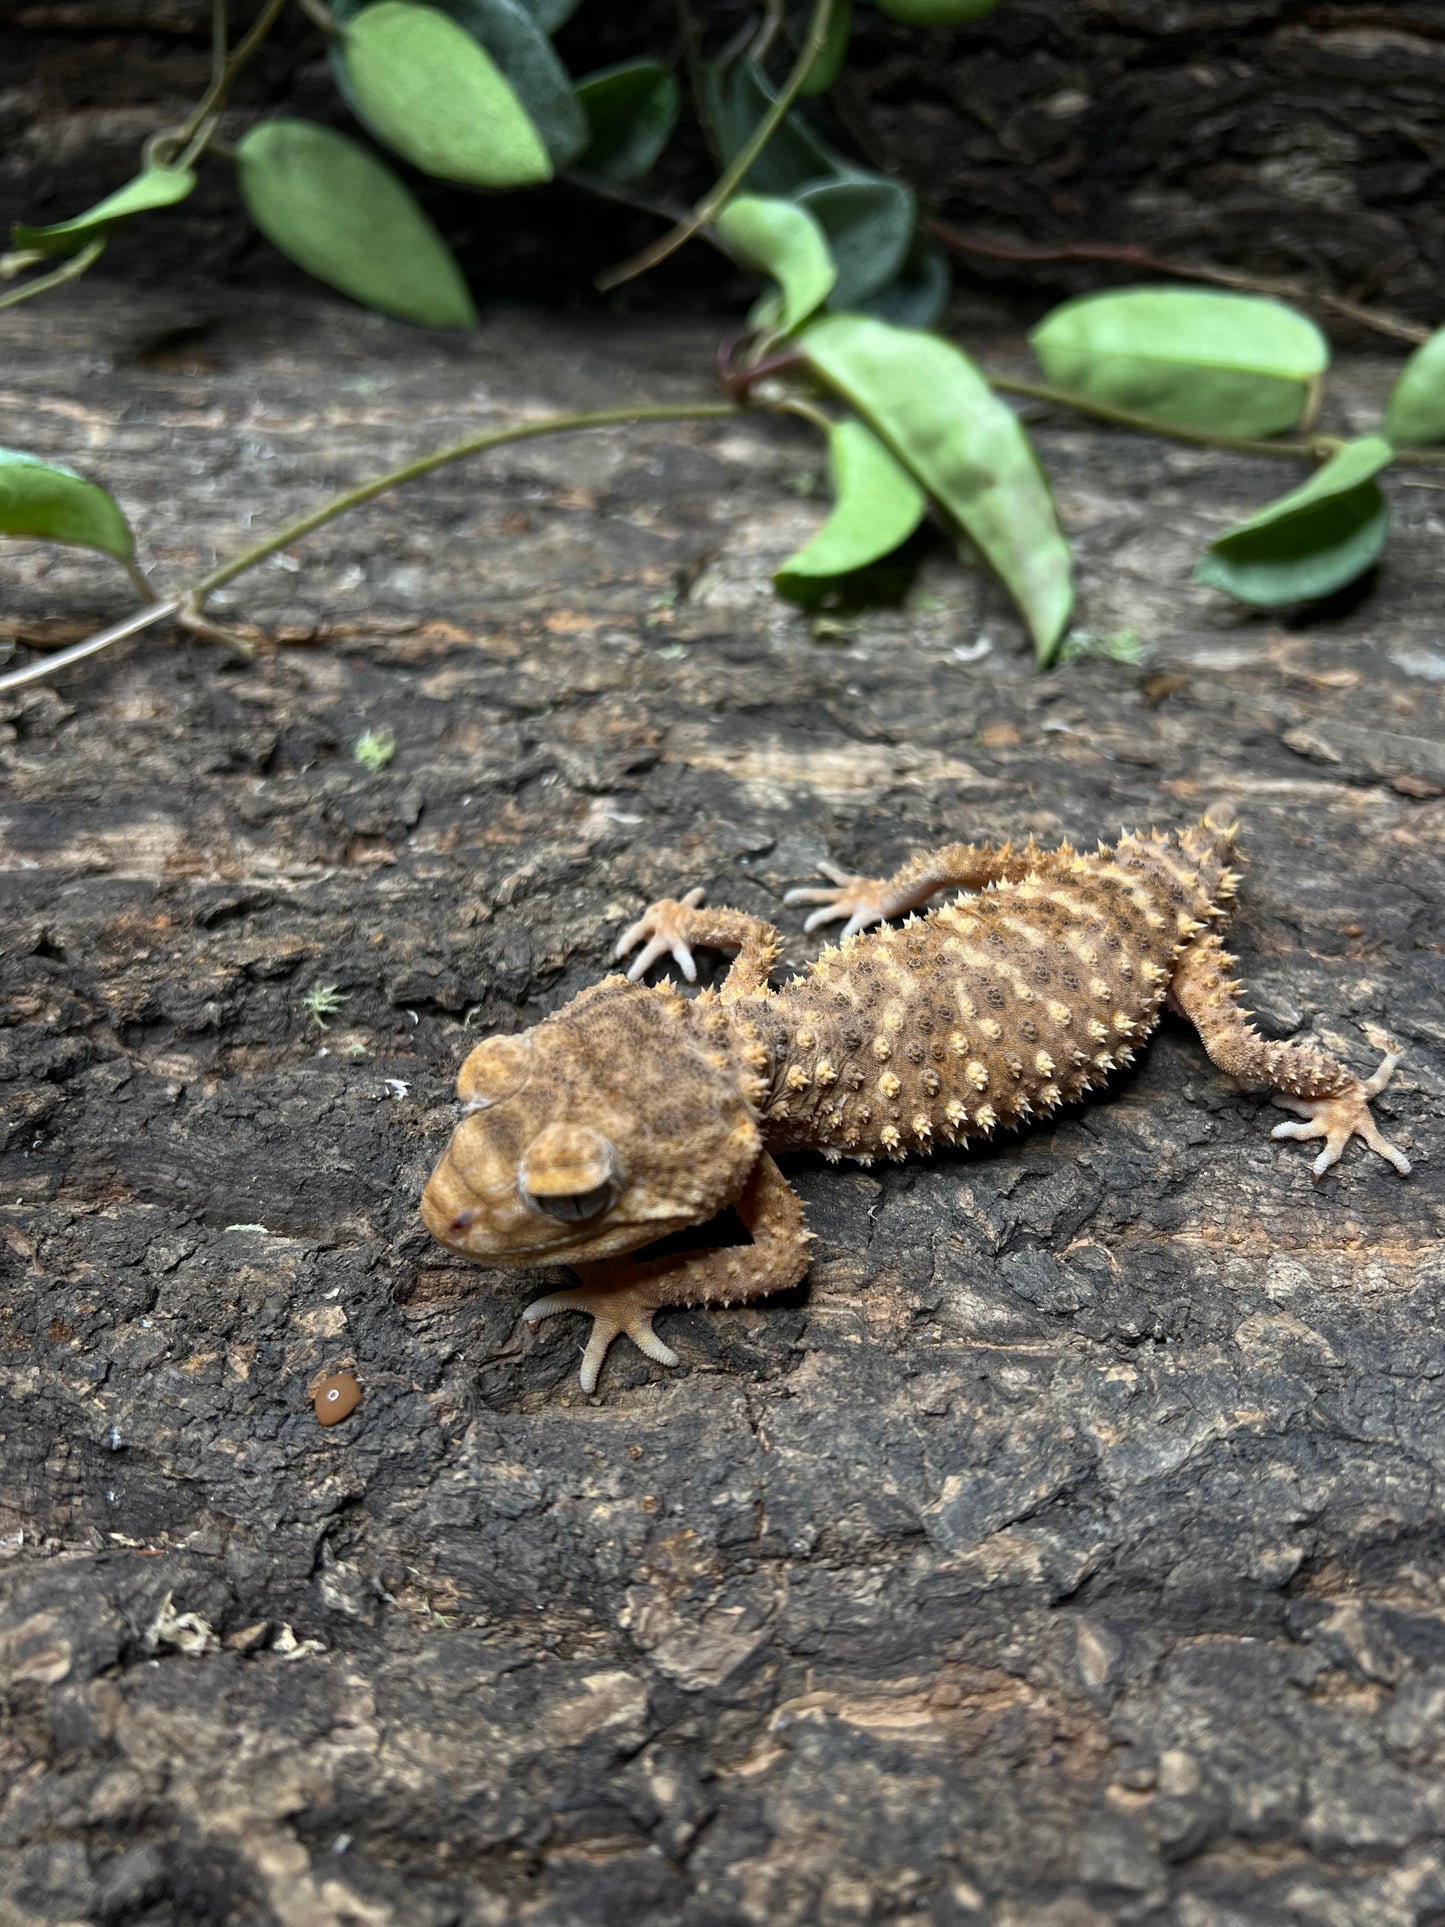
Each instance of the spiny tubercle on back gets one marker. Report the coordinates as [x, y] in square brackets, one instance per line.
[991, 1009]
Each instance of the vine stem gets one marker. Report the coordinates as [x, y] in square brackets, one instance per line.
[193, 597]
[1316, 448]
[717, 197]
[70, 270]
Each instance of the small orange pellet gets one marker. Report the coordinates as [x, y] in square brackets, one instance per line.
[336, 1398]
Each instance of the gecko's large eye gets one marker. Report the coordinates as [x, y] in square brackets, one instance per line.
[569, 1172]
[496, 1069]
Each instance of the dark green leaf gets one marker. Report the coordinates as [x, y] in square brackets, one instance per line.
[829, 63]
[934, 410]
[550, 14]
[869, 222]
[512, 34]
[156, 187]
[1231, 364]
[340, 213]
[1310, 542]
[426, 88]
[785, 242]
[878, 506]
[631, 111]
[937, 13]
[917, 297]
[1415, 412]
[44, 499]
[734, 100]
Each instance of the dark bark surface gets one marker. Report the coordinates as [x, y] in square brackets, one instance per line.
[1295, 137]
[1068, 1550]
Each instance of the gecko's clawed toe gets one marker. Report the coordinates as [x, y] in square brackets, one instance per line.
[862, 901]
[616, 1311]
[660, 932]
[1338, 1119]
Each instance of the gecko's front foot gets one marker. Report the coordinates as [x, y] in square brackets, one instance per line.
[614, 1310]
[1338, 1119]
[660, 932]
[862, 900]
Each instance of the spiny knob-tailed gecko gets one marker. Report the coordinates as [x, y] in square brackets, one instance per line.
[635, 1112]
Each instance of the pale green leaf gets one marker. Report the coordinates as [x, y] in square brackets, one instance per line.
[1415, 412]
[46, 499]
[155, 187]
[785, 242]
[1310, 542]
[426, 88]
[878, 505]
[339, 212]
[1229, 364]
[631, 111]
[934, 410]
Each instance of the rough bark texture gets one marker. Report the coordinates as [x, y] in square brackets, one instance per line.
[1065, 1551]
[1281, 136]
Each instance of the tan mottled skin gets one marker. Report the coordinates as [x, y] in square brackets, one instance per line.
[636, 1112]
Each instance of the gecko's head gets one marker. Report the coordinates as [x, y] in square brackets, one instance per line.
[630, 1114]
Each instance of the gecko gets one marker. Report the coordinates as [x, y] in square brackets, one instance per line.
[636, 1112]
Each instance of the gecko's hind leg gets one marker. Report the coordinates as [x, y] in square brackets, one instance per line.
[863, 901]
[1338, 1119]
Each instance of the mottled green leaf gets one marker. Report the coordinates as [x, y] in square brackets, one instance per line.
[934, 410]
[631, 111]
[1231, 364]
[937, 13]
[734, 100]
[425, 87]
[339, 212]
[155, 187]
[918, 294]
[868, 222]
[48, 500]
[829, 63]
[511, 35]
[785, 242]
[1415, 412]
[1310, 542]
[878, 505]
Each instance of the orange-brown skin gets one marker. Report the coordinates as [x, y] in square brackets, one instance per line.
[635, 1112]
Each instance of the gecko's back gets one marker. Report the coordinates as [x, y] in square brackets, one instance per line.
[993, 1007]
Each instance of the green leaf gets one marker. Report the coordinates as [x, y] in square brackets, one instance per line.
[878, 506]
[918, 295]
[507, 32]
[45, 499]
[156, 187]
[934, 410]
[1311, 542]
[550, 14]
[868, 222]
[734, 99]
[1232, 364]
[937, 13]
[631, 110]
[1415, 412]
[426, 88]
[829, 63]
[339, 212]
[787, 243]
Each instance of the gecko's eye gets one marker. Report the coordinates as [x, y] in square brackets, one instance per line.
[496, 1069]
[569, 1172]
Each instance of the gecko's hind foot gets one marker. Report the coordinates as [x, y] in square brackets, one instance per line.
[1338, 1119]
[615, 1310]
[863, 901]
[660, 932]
